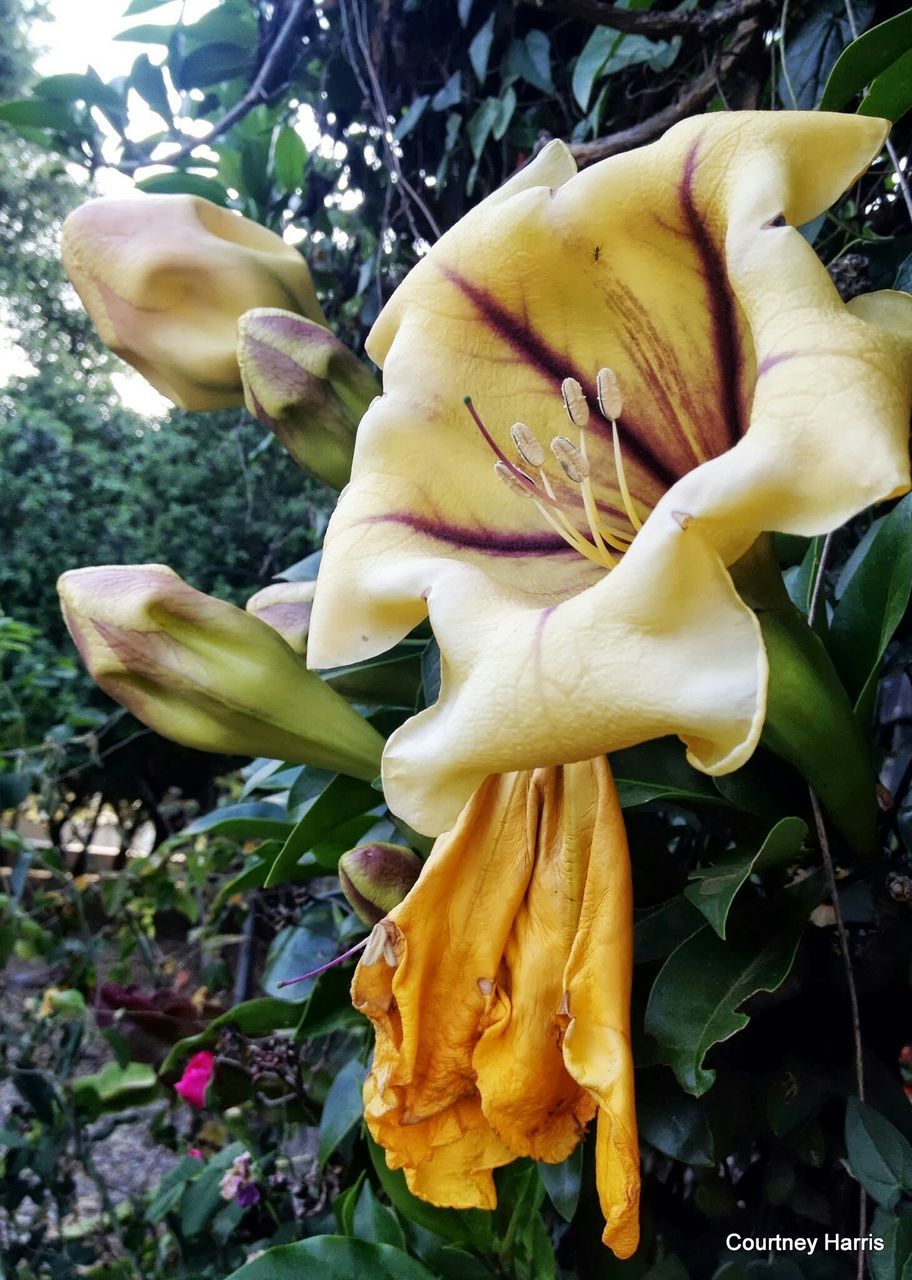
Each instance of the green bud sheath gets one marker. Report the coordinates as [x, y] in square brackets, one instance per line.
[376, 877]
[811, 724]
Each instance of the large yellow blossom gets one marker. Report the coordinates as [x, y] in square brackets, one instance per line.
[579, 614]
[500, 994]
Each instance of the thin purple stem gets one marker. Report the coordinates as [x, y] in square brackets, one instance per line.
[331, 964]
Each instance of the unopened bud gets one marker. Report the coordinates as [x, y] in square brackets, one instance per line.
[376, 877]
[206, 674]
[164, 279]
[304, 384]
[286, 607]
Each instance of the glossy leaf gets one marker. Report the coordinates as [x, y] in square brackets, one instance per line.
[289, 157]
[342, 1109]
[295, 951]
[659, 929]
[890, 1263]
[480, 48]
[717, 885]
[180, 183]
[255, 819]
[811, 51]
[879, 1156]
[865, 58]
[696, 999]
[333, 1258]
[563, 1182]
[474, 1227]
[890, 95]
[342, 799]
[671, 1121]
[872, 605]
[659, 771]
[374, 1222]
[252, 1018]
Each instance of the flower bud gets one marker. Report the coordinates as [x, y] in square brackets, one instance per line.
[376, 877]
[209, 675]
[286, 607]
[196, 1078]
[164, 279]
[302, 383]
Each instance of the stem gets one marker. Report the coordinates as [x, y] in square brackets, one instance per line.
[331, 964]
[830, 873]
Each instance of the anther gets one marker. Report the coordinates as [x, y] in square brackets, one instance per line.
[485, 986]
[683, 518]
[530, 450]
[575, 465]
[575, 402]
[608, 390]
[516, 481]
[381, 945]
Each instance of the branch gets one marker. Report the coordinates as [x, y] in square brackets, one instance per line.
[691, 99]
[648, 23]
[269, 77]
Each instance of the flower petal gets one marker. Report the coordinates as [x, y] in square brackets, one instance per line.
[597, 1040]
[740, 370]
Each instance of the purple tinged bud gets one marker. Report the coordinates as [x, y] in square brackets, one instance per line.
[376, 877]
[305, 385]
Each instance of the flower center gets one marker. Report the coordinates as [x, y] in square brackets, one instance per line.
[601, 542]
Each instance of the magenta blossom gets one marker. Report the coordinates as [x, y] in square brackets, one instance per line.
[193, 1083]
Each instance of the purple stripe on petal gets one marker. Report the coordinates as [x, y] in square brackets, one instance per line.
[519, 334]
[770, 362]
[721, 300]
[486, 541]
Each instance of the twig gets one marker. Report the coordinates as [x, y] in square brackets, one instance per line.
[647, 23]
[689, 101]
[845, 952]
[261, 90]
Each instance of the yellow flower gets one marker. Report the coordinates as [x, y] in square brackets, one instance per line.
[165, 278]
[582, 601]
[206, 674]
[500, 992]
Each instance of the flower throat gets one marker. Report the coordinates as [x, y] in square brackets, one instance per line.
[602, 543]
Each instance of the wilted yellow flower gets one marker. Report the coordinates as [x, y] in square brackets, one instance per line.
[500, 994]
[165, 278]
[209, 675]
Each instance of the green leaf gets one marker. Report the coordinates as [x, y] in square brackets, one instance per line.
[697, 995]
[872, 605]
[212, 64]
[34, 113]
[811, 52]
[865, 58]
[450, 94]
[530, 59]
[147, 33]
[201, 1200]
[252, 1018]
[658, 930]
[374, 1222]
[342, 799]
[671, 1121]
[607, 52]
[149, 83]
[115, 1088]
[717, 885]
[333, 1258]
[659, 771]
[289, 157]
[411, 117]
[896, 1233]
[481, 124]
[468, 1226]
[178, 183]
[563, 1182]
[143, 6]
[295, 951]
[879, 1156]
[588, 68]
[342, 1110]
[480, 48]
[89, 88]
[255, 819]
[890, 95]
[504, 116]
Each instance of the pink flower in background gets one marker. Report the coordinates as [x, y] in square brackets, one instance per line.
[197, 1074]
